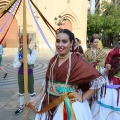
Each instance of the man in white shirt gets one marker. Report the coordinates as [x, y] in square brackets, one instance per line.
[18, 63]
[1, 67]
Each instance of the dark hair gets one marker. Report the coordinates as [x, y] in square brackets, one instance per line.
[94, 36]
[68, 32]
[118, 44]
[77, 39]
[21, 39]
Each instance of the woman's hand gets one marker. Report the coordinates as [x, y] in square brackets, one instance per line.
[77, 97]
[108, 66]
[32, 102]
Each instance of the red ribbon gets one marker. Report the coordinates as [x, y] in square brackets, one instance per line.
[94, 64]
[45, 20]
[65, 116]
[11, 22]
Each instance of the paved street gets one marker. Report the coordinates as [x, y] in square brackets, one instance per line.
[9, 99]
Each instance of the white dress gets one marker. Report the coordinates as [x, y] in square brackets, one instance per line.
[106, 107]
[81, 109]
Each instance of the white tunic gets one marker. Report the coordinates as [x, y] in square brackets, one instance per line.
[81, 109]
[106, 108]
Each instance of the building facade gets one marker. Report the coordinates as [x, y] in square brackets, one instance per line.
[69, 14]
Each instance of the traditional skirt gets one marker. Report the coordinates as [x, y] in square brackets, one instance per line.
[81, 109]
[106, 108]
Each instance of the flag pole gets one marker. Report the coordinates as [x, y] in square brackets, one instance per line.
[25, 60]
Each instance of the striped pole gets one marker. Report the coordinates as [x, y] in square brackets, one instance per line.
[25, 60]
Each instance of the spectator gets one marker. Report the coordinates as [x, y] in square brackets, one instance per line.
[1, 67]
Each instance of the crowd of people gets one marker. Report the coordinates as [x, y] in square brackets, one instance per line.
[78, 85]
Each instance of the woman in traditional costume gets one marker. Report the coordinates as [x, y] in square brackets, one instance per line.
[94, 55]
[62, 96]
[108, 107]
[77, 47]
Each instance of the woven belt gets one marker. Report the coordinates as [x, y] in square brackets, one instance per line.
[58, 88]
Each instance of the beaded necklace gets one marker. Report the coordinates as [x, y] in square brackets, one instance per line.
[51, 86]
[63, 56]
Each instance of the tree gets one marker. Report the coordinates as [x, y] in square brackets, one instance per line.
[106, 19]
[111, 15]
[94, 24]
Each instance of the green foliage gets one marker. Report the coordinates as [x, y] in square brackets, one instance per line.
[109, 21]
[94, 24]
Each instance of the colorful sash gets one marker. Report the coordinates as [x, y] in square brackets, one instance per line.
[97, 66]
[67, 109]
[58, 88]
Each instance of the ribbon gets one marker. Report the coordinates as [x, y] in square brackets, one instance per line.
[68, 108]
[62, 89]
[7, 9]
[113, 86]
[45, 20]
[65, 116]
[97, 66]
[9, 4]
[67, 105]
[40, 30]
[117, 87]
[56, 102]
[11, 22]
[108, 106]
[10, 14]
